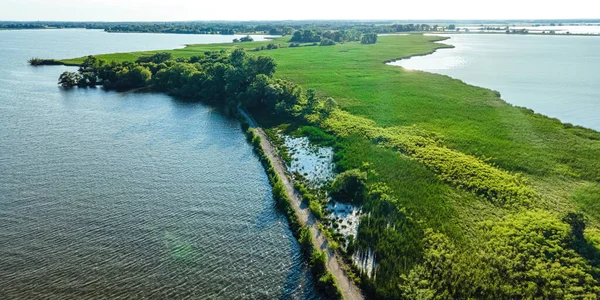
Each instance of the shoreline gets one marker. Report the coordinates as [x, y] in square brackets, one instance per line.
[449, 46]
[441, 46]
[335, 263]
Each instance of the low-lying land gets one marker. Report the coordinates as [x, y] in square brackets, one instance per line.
[467, 196]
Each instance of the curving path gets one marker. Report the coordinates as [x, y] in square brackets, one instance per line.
[334, 264]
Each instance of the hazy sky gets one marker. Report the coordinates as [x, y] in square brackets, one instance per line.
[187, 10]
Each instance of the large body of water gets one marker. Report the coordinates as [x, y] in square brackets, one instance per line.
[554, 75]
[106, 195]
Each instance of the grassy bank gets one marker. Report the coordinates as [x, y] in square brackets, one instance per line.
[454, 159]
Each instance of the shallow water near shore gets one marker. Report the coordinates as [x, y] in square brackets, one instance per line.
[554, 75]
[107, 195]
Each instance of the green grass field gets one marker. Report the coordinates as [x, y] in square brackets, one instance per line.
[559, 162]
[469, 119]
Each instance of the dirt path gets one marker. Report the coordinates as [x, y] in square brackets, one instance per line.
[334, 263]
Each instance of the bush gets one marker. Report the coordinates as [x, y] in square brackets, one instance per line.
[246, 39]
[349, 186]
[327, 42]
[318, 262]
[305, 240]
[328, 286]
[315, 208]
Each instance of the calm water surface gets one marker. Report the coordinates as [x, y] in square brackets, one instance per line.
[553, 75]
[106, 195]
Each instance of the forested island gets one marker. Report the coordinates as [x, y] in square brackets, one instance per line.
[465, 196]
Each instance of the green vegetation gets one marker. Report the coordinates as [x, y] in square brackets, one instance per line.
[69, 79]
[349, 186]
[278, 190]
[369, 38]
[467, 196]
[325, 283]
[44, 62]
[526, 255]
[244, 39]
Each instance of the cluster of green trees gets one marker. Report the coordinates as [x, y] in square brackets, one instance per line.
[44, 62]
[331, 37]
[221, 78]
[244, 39]
[23, 26]
[349, 186]
[369, 38]
[338, 31]
[181, 28]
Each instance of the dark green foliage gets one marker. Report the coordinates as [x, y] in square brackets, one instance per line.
[44, 62]
[69, 79]
[246, 39]
[349, 186]
[324, 37]
[305, 36]
[577, 222]
[327, 285]
[318, 262]
[305, 240]
[327, 42]
[215, 77]
[157, 58]
[369, 38]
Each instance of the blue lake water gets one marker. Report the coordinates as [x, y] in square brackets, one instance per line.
[107, 195]
[554, 75]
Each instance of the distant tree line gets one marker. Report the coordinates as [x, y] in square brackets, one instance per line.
[277, 27]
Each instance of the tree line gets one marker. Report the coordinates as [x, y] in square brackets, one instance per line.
[227, 79]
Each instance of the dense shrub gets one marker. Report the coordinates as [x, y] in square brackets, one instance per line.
[525, 255]
[44, 62]
[305, 240]
[327, 42]
[246, 39]
[349, 186]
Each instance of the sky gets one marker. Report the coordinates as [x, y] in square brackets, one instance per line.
[191, 10]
